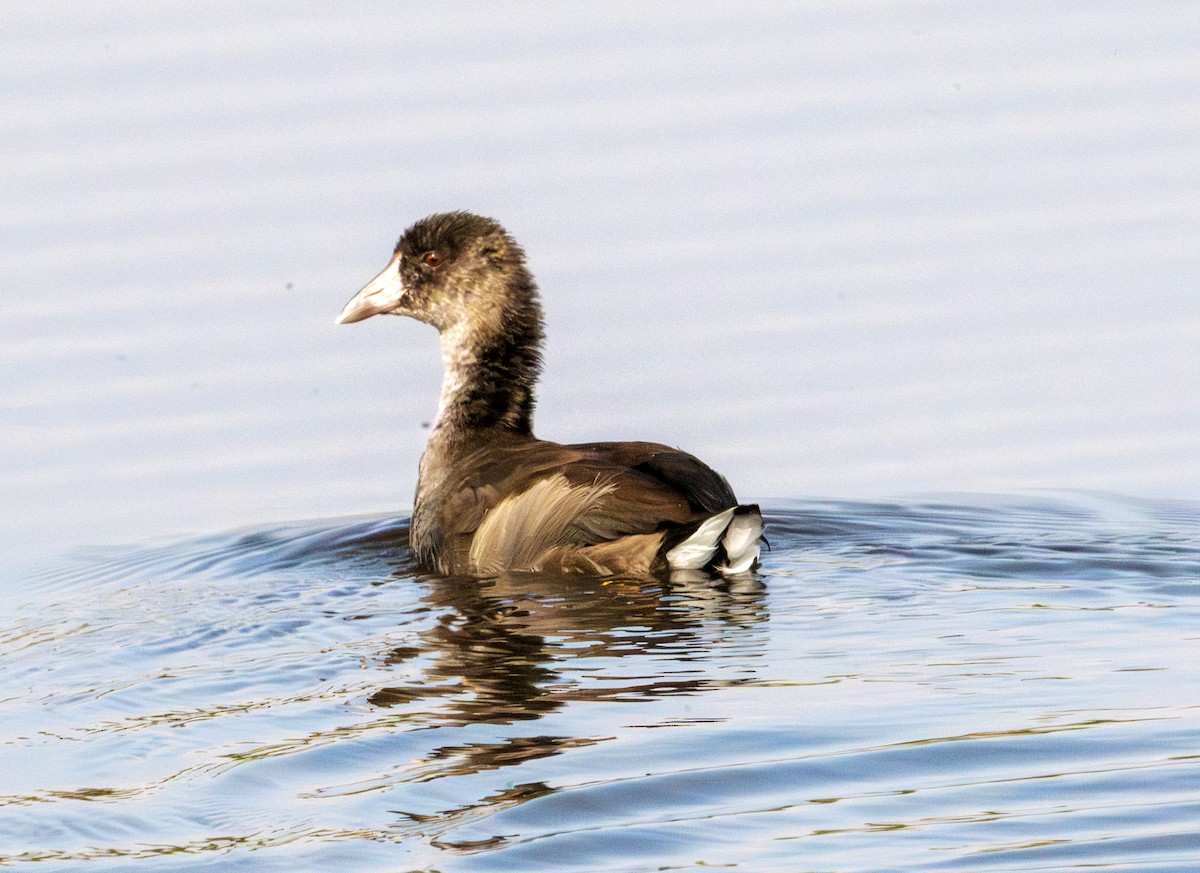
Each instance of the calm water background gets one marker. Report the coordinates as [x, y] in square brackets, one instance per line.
[844, 251]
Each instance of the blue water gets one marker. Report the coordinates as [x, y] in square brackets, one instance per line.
[834, 249]
[992, 684]
[844, 249]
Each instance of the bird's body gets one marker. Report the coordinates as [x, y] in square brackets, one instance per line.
[491, 497]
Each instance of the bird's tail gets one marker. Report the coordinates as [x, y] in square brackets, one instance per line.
[725, 543]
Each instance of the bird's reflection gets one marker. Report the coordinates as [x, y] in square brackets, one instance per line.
[517, 647]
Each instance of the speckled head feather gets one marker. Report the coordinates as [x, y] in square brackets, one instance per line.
[467, 277]
[450, 230]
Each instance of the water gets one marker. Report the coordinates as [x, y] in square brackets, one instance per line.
[841, 249]
[1005, 684]
[847, 249]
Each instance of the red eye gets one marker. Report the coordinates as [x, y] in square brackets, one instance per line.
[432, 259]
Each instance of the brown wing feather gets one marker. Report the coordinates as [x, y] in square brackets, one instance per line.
[620, 489]
[702, 486]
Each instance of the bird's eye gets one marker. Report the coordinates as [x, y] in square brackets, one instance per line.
[432, 259]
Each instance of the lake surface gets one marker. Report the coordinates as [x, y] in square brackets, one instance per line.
[847, 252]
[1002, 685]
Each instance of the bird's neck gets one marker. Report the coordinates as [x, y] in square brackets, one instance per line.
[488, 386]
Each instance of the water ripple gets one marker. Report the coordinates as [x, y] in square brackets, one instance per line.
[991, 684]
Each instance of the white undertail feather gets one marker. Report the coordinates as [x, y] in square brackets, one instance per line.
[733, 534]
[696, 551]
[741, 543]
[519, 529]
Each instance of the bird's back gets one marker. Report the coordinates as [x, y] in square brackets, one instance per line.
[528, 504]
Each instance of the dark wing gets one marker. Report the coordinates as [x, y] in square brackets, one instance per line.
[637, 488]
[702, 486]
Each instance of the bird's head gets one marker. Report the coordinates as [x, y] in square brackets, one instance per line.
[446, 268]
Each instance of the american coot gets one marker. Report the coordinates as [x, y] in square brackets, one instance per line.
[490, 495]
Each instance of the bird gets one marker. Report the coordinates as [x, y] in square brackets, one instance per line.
[491, 497]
